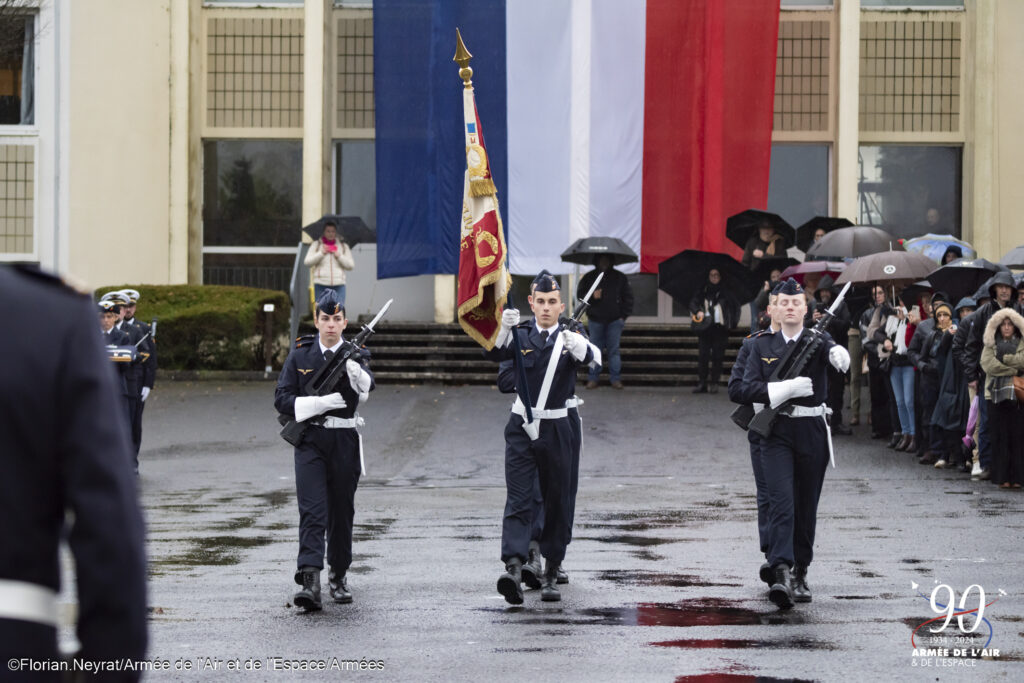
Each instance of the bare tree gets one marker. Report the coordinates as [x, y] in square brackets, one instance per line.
[13, 14]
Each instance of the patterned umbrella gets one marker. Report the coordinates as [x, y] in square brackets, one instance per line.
[888, 268]
[934, 246]
[833, 268]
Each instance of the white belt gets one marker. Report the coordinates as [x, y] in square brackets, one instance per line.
[552, 414]
[28, 602]
[758, 407]
[331, 422]
[574, 402]
[821, 411]
[806, 411]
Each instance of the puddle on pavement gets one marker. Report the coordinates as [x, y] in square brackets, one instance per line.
[627, 539]
[648, 578]
[868, 575]
[702, 612]
[211, 551]
[372, 530]
[277, 498]
[854, 597]
[745, 644]
[644, 520]
[234, 524]
[647, 556]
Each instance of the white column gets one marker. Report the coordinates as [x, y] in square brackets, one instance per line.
[313, 109]
[848, 110]
[444, 298]
[181, 129]
[981, 224]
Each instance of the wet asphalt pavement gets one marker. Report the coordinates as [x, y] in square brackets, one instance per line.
[663, 564]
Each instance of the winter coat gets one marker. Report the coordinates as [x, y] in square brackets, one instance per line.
[1001, 360]
[328, 268]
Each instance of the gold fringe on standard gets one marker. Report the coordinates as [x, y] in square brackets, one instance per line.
[482, 187]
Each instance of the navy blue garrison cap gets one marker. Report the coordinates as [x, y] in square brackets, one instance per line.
[545, 282]
[790, 287]
[329, 303]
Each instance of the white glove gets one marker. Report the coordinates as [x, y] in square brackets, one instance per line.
[359, 379]
[839, 358]
[145, 393]
[596, 361]
[310, 406]
[509, 319]
[780, 392]
[575, 343]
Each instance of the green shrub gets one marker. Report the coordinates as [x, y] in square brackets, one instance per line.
[212, 327]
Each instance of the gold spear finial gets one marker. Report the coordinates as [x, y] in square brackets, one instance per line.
[462, 58]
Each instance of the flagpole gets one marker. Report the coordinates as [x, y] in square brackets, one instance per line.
[462, 57]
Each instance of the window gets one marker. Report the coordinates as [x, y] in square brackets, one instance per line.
[806, 4]
[17, 68]
[355, 180]
[910, 190]
[798, 182]
[252, 203]
[912, 4]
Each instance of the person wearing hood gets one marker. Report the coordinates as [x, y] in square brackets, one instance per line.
[952, 253]
[933, 362]
[1002, 359]
[715, 303]
[1002, 292]
[839, 329]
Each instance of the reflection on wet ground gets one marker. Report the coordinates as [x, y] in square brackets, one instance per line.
[648, 578]
[736, 678]
[744, 644]
[701, 612]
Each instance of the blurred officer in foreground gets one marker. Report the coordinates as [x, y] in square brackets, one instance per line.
[328, 460]
[65, 472]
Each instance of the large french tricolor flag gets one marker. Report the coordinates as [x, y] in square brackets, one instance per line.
[646, 120]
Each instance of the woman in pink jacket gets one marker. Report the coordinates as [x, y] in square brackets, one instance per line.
[328, 259]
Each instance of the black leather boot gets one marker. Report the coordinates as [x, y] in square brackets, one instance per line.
[895, 440]
[801, 591]
[309, 597]
[510, 583]
[562, 576]
[766, 574]
[532, 571]
[549, 589]
[339, 588]
[781, 591]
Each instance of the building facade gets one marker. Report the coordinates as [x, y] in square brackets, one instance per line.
[173, 141]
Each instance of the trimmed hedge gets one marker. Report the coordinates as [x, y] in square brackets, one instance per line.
[212, 327]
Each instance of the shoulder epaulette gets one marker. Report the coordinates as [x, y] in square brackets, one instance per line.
[304, 340]
[757, 334]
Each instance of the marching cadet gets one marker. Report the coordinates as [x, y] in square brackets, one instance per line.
[109, 312]
[544, 448]
[145, 368]
[328, 460]
[736, 396]
[796, 453]
[65, 473]
[135, 372]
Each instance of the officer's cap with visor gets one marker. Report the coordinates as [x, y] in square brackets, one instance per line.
[545, 282]
[106, 306]
[116, 299]
[131, 294]
[789, 287]
[329, 303]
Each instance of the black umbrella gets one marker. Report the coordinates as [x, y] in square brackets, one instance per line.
[740, 227]
[351, 229]
[766, 266]
[962, 277]
[1014, 258]
[888, 267]
[686, 273]
[583, 251]
[853, 242]
[805, 233]
[912, 293]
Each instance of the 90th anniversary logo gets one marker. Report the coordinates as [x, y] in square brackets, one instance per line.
[960, 635]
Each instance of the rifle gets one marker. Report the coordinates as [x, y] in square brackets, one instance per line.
[584, 304]
[325, 380]
[792, 365]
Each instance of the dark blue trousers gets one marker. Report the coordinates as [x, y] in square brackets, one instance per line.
[326, 476]
[793, 461]
[538, 500]
[545, 463]
[761, 485]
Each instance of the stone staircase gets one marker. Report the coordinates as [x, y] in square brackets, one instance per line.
[652, 355]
